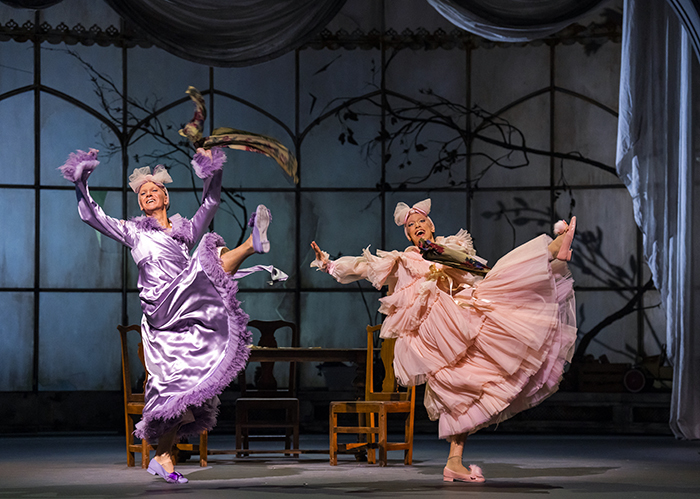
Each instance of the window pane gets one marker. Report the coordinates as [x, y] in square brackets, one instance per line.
[79, 349]
[503, 220]
[66, 128]
[74, 255]
[17, 251]
[329, 159]
[16, 341]
[344, 327]
[70, 69]
[18, 151]
[606, 237]
[617, 341]
[342, 224]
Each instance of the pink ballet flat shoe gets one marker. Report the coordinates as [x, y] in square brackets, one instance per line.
[475, 475]
[260, 221]
[155, 468]
[565, 250]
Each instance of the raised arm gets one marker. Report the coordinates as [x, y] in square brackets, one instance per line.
[208, 166]
[77, 170]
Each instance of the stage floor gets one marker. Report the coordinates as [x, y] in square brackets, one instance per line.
[514, 465]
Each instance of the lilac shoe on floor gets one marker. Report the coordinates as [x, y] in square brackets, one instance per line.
[260, 221]
[154, 468]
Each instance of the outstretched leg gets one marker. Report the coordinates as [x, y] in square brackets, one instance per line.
[257, 242]
[232, 259]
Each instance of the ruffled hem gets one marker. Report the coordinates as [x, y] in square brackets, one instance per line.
[155, 423]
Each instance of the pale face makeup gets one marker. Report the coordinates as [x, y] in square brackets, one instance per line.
[418, 226]
[152, 198]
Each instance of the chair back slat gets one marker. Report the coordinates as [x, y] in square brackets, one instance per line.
[266, 383]
[126, 364]
[390, 388]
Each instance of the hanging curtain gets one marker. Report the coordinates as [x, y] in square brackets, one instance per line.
[31, 4]
[514, 20]
[655, 160]
[228, 33]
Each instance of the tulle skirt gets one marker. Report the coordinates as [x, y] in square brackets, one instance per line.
[493, 350]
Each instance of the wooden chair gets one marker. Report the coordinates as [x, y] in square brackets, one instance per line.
[133, 408]
[266, 398]
[390, 400]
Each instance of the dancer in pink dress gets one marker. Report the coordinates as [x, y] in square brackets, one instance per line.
[486, 347]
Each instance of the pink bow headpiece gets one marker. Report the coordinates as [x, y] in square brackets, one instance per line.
[403, 211]
[160, 177]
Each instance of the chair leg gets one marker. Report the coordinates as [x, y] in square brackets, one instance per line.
[382, 437]
[371, 440]
[145, 453]
[241, 420]
[287, 441]
[295, 433]
[130, 461]
[333, 424]
[203, 447]
[408, 438]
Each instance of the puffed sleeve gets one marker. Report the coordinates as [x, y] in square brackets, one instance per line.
[209, 166]
[77, 170]
[376, 269]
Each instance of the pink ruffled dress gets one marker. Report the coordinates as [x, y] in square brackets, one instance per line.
[486, 348]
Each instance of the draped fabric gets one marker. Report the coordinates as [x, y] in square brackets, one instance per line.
[228, 33]
[655, 160]
[514, 20]
[31, 4]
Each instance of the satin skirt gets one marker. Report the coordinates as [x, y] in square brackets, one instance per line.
[195, 341]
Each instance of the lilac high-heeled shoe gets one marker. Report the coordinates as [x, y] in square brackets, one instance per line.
[260, 221]
[155, 468]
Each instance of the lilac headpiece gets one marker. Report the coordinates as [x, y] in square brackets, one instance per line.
[403, 211]
[160, 177]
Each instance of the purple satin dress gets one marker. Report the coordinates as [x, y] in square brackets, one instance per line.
[194, 332]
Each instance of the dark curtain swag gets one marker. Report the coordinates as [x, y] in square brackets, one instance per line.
[223, 33]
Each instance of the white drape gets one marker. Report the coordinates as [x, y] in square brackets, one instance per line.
[655, 160]
[514, 20]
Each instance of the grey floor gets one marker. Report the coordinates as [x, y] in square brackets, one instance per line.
[514, 465]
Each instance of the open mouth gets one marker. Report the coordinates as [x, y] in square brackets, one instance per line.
[420, 232]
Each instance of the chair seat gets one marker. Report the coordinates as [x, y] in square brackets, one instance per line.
[267, 401]
[370, 406]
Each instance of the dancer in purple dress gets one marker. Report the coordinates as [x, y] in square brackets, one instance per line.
[194, 332]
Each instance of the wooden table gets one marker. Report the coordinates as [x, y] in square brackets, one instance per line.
[308, 354]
